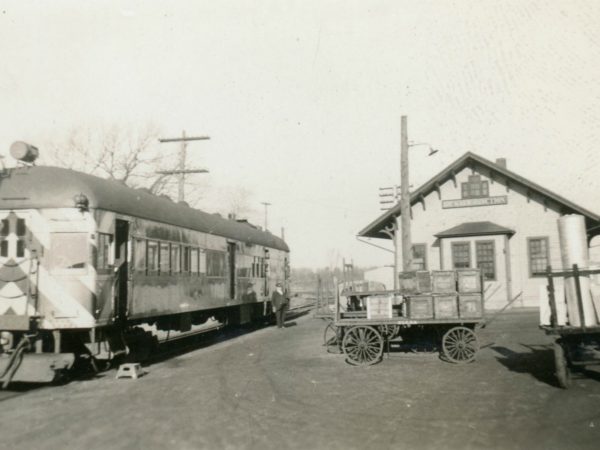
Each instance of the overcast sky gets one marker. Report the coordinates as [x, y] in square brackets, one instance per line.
[303, 100]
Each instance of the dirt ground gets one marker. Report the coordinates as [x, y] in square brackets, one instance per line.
[279, 389]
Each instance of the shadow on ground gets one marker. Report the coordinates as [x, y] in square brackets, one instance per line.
[536, 360]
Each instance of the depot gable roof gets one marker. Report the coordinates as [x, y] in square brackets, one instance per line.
[374, 229]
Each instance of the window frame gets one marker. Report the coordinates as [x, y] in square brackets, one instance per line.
[452, 253]
[533, 274]
[483, 187]
[425, 259]
[495, 270]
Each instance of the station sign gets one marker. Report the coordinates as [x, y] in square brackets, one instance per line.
[469, 202]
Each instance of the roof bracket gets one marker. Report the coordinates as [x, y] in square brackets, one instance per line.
[492, 177]
[453, 175]
[545, 204]
[422, 200]
[529, 194]
[390, 230]
[507, 185]
[438, 190]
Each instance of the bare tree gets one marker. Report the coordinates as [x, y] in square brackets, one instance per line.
[128, 155]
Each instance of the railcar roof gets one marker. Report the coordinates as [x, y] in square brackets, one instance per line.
[55, 187]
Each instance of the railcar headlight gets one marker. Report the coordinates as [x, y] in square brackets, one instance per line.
[6, 339]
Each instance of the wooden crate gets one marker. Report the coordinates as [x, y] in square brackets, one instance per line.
[423, 281]
[469, 280]
[470, 306]
[420, 307]
[415, 282]
[443, 281]
[445, 306]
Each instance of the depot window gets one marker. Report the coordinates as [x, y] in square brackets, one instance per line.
[419, 256]
[539, 256]
[461, 255]
[486, 259]
[475, 188]
[68, 251]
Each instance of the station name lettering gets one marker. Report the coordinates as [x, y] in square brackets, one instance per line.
[466, 202]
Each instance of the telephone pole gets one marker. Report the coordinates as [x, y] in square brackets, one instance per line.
[182, 171]
[405, 199]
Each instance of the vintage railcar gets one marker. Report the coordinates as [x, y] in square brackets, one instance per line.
[84, 261]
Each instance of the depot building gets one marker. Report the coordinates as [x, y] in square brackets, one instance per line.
[478, 214]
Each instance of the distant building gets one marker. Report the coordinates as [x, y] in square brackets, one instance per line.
[476, 213]
[384, 275]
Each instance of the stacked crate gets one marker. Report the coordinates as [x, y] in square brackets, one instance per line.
[469, 293]
[417, 285]
[444, 294]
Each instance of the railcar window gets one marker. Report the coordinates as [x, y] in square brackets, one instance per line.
[164, 259]
[175, 258]
[4, 248]
[194, 261]
[215, 263]
[68, 251]
[202, 262]
[103, 254]
[185, 260]
[139, 253]
[152, 256]
[244, 266]
[5, 228]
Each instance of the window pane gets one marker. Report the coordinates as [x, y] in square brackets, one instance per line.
[152, 256]
[215, 262]
[202, 263]
[419, 256]
[538, 255]
[139, 253]
[68, 251]
[4, 230]
[20, 227]
[103, 253]
[194, 260]
[486, 259]
[461, 255]
[164, 261]
[175, 258]
[4, 248]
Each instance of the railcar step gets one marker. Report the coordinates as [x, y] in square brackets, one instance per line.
[130, 370]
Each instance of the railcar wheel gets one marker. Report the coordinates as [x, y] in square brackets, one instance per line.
[389, 332]
[460, 345]
[332, 338]
[362, 346]
[563, 374]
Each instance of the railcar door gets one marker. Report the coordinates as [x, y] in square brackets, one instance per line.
[122, 260]
[231, 246]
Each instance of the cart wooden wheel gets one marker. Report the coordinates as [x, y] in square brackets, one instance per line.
[388, 332]
[563, 374]
[332, 338]
[460, 345]
[362, 346]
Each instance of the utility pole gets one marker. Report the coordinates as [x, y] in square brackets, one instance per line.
[267, 204]
[182, 171]
[405, 199]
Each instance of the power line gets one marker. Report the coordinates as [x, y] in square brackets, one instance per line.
[182, 171]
